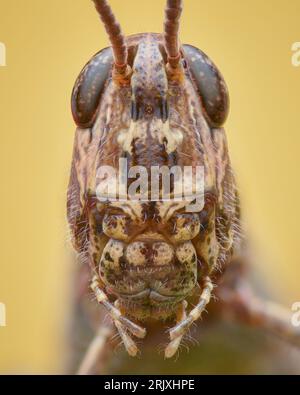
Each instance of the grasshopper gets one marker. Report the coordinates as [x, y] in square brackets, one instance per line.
[151, 101]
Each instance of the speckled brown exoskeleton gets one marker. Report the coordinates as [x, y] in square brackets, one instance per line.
[154, 102]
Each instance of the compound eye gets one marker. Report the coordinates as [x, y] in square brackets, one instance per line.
[209, 84]
[89, 87]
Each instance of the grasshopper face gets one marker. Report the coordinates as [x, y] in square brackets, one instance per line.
[156, 109]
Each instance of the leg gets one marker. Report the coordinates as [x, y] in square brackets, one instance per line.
[181, 328]
[96, 353]
[173, 346]
[241, 301]
[114, 312]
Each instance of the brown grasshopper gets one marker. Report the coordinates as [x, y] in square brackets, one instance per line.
[153, 102]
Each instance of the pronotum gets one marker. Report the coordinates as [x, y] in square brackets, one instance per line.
[154, 102]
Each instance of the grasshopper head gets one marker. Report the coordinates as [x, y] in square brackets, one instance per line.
[152, 102]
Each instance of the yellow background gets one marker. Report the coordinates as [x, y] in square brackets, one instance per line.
[47, 44]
